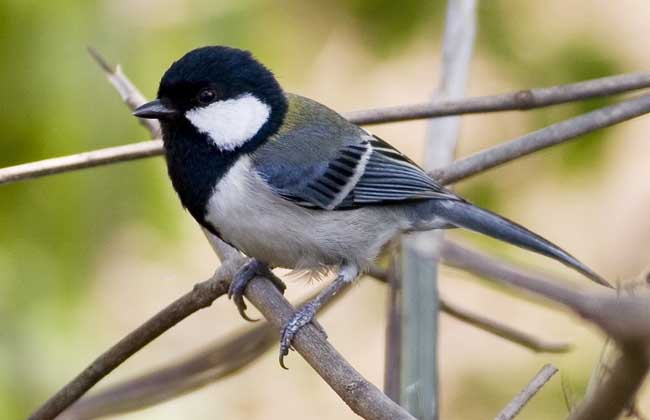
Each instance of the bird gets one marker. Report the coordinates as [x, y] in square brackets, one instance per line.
[291, 183]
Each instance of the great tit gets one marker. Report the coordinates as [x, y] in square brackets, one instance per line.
[293, 184]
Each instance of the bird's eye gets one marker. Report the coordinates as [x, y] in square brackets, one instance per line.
[207, 96]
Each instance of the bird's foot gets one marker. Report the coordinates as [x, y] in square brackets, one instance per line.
[300, 318]
[243, 276]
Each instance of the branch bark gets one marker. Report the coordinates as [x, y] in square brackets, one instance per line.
[614, 395]
[514, 101]
[459, 170]
[200, 297]
[541, 139]
[534, 386]
[494, 327]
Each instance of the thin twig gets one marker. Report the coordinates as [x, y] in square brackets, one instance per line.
[200, 297]
[521, 100]
[497, 328]
[216, 361]
[131, 96]
[541, 139]
[504, 331]
[514, 407]
[624, 318]
[451, 174]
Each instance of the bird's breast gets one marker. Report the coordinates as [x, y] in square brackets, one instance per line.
[252, 217]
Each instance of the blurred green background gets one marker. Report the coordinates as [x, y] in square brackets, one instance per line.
[87, 256]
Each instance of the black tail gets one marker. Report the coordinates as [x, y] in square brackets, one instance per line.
[468, 216]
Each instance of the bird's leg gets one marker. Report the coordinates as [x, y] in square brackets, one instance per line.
[245, 274]
[307, 312]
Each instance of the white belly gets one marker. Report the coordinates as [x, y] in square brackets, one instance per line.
[267, 227]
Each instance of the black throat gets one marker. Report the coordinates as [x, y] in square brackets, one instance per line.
[196, 165]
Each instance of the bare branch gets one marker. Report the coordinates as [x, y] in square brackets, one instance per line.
[624, 318]
[361, 396]
[541, 139]
[514, 407]
[84, 160]
[200, 297]
[617, 391]
[131, 96]
[497, 328]
[217, 361]
[504, 331]
[457, 171]
[521, 100]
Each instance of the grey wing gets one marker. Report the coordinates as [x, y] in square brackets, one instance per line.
[361, 170]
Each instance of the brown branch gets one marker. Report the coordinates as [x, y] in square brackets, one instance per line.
[616, 393]
[459, 170]
[216, 361]
[201, 296]
[361, 396]
[497, 328]
[504, 331]
[541, 139]
[534, 386]
[521, 100]
[624, 318]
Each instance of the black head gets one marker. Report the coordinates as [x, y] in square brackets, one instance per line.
[209, 76]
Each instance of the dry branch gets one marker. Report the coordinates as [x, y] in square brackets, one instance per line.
[514, 407]
[207, 366]
[361, 396]
[523, 338]
[541, 139]
[497, 328]
[216, 361]
[521, 100]
[463, 168]
[624, 318]
[616, 393]
[200, 297]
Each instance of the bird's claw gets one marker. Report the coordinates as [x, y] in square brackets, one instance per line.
[240, 281]
[300, 318]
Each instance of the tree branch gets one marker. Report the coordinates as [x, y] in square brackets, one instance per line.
[497, 328]
[200, 297]
[523, 338]
[534, 386]
[513, 101]
[617, 391]
[624, 318]
[216, 361]
[541, 139]
[461, 169]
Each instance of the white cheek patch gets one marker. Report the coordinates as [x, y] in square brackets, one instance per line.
[232, 122]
